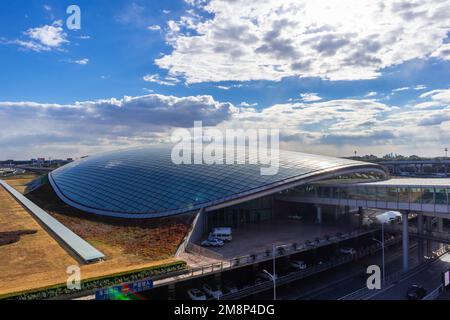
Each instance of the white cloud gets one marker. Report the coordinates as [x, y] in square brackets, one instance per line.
[247, 105]
[44, 38]
[269, 39]
[420, 87]
[223, 87]
[443, 52]
[310, 97]
[167, 81]
[47, 7]
[154, 28]
[337, 127]
[401, 89]
[82, 61]
[101, 124]
[371, 94]
[334, 127]
[229, 86]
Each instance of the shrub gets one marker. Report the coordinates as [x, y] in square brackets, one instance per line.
[102, 282]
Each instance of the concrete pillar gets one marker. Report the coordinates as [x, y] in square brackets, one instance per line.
[360, 216]
[420, 241]
[346, 211]
[429, 228]
[218, 277]
[440, 228]
[405, 240]
[171, 291]
[318, 214]
[440, 224]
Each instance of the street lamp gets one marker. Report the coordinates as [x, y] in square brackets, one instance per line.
[382, 250]
[273, 276]
[446, 150]
[274, 283]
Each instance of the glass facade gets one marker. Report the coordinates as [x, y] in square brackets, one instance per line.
[379, 193]
[146, 183]
[249, 212]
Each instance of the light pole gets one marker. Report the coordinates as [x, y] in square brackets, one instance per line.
[382, 251]
[273, 276]
[274, 283]
[446, 150]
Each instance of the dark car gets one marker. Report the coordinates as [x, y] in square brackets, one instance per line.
[416, 292]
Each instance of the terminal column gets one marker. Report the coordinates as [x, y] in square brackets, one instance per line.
[405, 241]
[429, 229]
[318, 214]
[420, 241]
[440, 227]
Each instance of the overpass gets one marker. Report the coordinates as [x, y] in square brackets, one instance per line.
[413, 197]
[432, 166]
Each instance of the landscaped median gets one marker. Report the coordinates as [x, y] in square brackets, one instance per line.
[89, 286]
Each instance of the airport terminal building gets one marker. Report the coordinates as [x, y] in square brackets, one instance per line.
[144, 183]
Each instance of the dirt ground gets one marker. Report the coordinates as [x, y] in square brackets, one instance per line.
[37, 260]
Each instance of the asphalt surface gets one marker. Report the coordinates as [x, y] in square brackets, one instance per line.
[430, 279]
[344, 280]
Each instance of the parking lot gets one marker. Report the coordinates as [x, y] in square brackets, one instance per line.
[254, 238]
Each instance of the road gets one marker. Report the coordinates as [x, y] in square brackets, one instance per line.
[429, 278]
[344, 280]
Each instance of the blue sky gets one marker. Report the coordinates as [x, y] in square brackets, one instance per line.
[353, 75]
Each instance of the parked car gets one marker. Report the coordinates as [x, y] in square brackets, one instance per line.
[213, 290]
[298, 265]
[416, 292]
[212, 243]
[347, 251]
[196, 294]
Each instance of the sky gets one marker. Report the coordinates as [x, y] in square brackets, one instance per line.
[335, 77]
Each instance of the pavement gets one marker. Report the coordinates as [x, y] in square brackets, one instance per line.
[254, 238]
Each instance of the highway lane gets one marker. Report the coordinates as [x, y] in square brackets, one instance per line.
[429, 278]
[344, 280]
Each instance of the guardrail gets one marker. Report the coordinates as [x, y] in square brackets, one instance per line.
[250, 259]
[434, 294]
[414, 231]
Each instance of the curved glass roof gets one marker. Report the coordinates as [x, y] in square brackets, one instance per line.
[144, 183]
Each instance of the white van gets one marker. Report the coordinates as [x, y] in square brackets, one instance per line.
[223, 234]
[389, 216]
